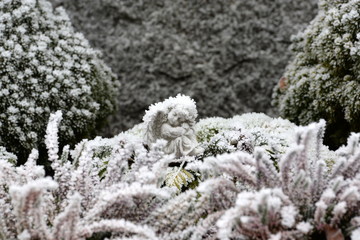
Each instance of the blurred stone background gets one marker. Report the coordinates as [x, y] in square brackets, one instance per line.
[227, 55]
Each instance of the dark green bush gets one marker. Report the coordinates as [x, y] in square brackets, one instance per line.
[323, 79]
[45, 66]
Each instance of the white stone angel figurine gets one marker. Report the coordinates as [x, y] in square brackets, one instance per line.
[173, 120]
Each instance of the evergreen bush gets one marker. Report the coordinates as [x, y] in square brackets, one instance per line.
[323, 79]
[46, 66]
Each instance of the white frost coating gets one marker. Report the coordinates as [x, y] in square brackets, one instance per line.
[275, 236]
[304, 227]
[328, 195]
[351, 194]
[355, 235]
[65, 223]
[173, 120]
[25, 235]
[288, 216]
[256, 209]
[122, 226]
[51, 137]
[238, 164]
[40, 184]
[28, 200]
[225, 223]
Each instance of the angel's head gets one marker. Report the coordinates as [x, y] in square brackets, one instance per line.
[178, 116]
[174, 110]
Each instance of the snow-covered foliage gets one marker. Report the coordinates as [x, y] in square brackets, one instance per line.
[78, 202]
[323, 79]
[304, 199]
[45, 66]
[247, 131]
[227, 55]
[4, 155]
[120, 189]
[244, 132]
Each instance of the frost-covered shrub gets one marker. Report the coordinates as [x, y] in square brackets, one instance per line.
[227, 142]
[228, 56]
[77, 203]
[323, 79]
[243, 133]
[239, 195]
[127, 201]
[6, 156]
[303, 199]
[46, 66]
[274, 135]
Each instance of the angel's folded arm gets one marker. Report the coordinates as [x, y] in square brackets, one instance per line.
[171, 132]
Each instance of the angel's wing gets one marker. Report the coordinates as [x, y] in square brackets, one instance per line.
[153, 126]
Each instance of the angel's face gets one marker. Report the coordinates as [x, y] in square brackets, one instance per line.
[176, 117]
